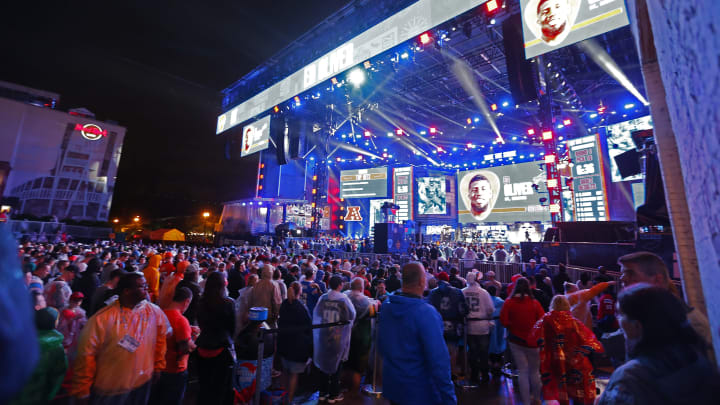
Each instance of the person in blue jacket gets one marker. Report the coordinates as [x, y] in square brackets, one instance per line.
[498, 343]
[416, 362]
[450, 303]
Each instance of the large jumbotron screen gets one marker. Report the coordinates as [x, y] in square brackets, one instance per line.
[364, 183]
[431, 196]
[502, 194]
[619, 139]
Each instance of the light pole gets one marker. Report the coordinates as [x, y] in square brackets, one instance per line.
[205, 215]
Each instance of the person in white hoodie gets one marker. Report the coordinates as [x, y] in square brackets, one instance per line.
[478, 333]
[332, 345]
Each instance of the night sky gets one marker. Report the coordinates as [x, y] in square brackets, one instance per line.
[157, 68]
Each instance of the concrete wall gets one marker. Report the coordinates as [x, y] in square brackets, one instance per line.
[687, 44]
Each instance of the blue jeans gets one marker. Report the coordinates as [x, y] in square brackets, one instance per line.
[169, 389]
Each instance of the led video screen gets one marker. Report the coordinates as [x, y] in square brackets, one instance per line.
[432, 197]
[553, 24]
[364, 183]
[619, 140]
[588, 182]
[256, 136]
[503, 194]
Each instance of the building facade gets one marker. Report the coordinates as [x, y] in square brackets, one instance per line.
[56, 163]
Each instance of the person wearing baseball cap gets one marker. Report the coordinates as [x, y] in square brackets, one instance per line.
[71, 322]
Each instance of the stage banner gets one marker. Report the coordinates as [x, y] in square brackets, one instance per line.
[553, 24]
[431, 196]
[394, 30]
[256, 136]
[503, 194]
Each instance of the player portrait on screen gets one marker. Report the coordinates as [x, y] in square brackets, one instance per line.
[479, 191]
[431, 196]
[551, 20]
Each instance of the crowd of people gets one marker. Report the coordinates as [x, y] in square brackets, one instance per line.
[123, 323]
[433, 252]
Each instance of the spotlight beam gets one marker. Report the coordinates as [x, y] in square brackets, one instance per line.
[458, 55]
[606, 62]
[424, 108]
[354, 149]
[463, 73]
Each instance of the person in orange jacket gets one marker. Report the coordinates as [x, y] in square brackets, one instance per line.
[565, 346]
[152, 275]
[580, 300]
[122, 348]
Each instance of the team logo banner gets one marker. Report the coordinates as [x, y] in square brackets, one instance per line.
[353, 214]
[256, 136]
[553, 24]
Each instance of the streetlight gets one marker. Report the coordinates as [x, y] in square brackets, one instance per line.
[115, 221]
[136, 219]
[205, 215]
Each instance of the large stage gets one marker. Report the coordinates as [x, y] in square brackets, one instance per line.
[449, 114]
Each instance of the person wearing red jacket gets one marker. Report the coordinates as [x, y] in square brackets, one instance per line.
[519, 314]
[607, 322]
[565, 347]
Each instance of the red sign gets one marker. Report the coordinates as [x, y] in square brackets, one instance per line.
[91, 132]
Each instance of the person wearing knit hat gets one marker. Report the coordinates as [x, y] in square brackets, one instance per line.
[442, 276]
[49, 373]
